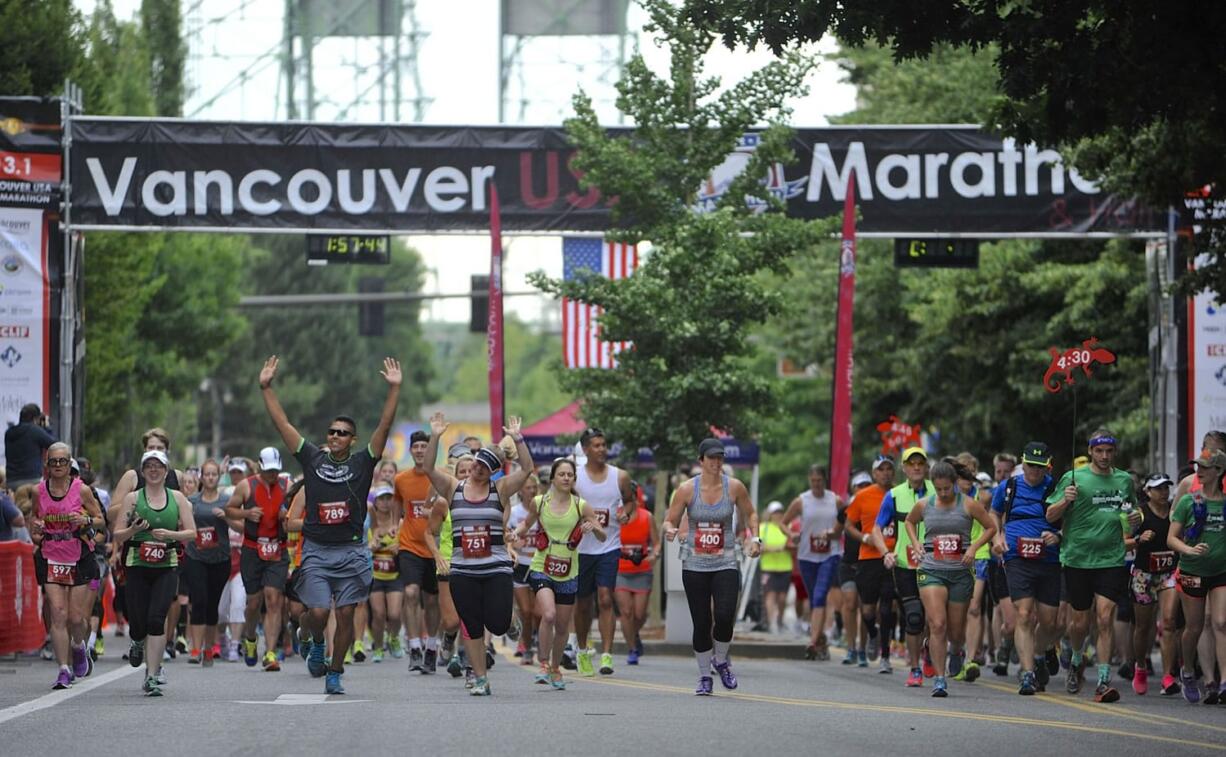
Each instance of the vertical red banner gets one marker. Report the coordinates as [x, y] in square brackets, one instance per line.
[493, 329]
[840, 425]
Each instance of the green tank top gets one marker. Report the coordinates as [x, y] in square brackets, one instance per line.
[444, 537]
[774, 561]
[904, 501]
[167, 518]
[558, 561]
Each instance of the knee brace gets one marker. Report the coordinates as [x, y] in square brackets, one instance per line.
[913, 615]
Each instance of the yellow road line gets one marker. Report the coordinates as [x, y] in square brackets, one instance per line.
[994, 718]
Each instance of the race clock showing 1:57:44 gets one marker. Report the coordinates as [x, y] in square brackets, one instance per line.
[323, 249]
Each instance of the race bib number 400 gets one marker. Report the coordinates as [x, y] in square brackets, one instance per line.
[709, 538]
[64, 574]
[333, 513]
[475, 541]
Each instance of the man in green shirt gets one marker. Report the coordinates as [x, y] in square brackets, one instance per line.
[1097, 508]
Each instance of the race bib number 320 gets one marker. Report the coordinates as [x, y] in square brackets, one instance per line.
[333, 513]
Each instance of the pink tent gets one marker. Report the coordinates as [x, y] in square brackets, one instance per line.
[564, 421]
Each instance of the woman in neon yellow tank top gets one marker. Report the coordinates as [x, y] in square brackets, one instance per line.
[159, 516]
[553, 575]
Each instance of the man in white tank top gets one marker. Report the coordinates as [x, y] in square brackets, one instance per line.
[607, 489]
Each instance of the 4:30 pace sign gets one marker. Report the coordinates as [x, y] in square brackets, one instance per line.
[323, 249]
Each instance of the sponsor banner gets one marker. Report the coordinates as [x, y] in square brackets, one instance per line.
[23, 306]
[916, 180]
[30, 153]
[1206, 366]
[546, 449]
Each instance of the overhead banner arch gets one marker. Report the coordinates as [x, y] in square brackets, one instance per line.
[167, 174]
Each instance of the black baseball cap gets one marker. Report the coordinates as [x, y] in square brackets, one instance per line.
[1036, 453]
[710, 447]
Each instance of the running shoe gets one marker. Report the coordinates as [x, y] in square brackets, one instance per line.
[251, 653]
[557, 683]
[527, 659]
[151, 688]
[1140, 680]
[232, 655]
[705, 686]
[332, 683]
[851, 657]
[517, 627]
[725, 674]
[1072, 684]
[180, 646]
[939, 688]
[638, 646]
[207, 660]
[359, 652]
[568, 658]
[1221, 691]
[585, 663]
[955, 663]
[1001, 666]
[270, 662]
[80, 661]
[1066, 655]
[315, 660]
[394, 648]
[1053, 661]
[632, 657]
[160, 677]
[970, 672]
[470, 678]
[194, 657]
[862, 662]
[376, 655]
[349, 656]
[542, 675]
[606, 664]
[480, 687]
[811, 652]
[1170, 685]
[874, 647]
[99, 647]
[1212, 693]
[454, 667]
[916, 679]
[490, 659]
[1042, 676]
[429, 662]
[63, 680]
[929, 670]
[1028, 688]
[448, 646]
[1105, 693]
[1191, 687]
[167, 656]
[416, 656]
[136, 653]
[883, 666]
[520, 647]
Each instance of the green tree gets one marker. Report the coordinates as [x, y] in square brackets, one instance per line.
[690, 306]
[40, 46]
[1132, 92]
[532, 372]
[163, 22]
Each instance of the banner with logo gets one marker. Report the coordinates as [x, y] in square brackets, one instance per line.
[911, 180]
[30, 153]
[1206, 366]
[24, 336]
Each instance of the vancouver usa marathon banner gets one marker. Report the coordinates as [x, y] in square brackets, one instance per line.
[24, 333]
[165, 173]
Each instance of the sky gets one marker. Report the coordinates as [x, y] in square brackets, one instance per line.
[234, 74]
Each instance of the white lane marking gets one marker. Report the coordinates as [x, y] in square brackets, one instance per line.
[289, 700]
[56, 697]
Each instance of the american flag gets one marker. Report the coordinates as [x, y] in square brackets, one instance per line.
[581, 344]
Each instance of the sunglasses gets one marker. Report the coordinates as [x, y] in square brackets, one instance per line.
[339, 432]
[57, 462]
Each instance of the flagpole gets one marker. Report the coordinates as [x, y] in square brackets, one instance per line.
[494, 331]
[840, 424]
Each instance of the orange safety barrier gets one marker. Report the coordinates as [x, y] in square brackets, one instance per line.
[21, 622]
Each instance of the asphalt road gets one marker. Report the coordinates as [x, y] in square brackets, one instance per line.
[782, 707]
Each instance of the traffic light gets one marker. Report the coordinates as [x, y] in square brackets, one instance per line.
[479, 320]
[370, 314]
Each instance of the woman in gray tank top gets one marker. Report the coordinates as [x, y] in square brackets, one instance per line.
[710, 574]
[945, 576]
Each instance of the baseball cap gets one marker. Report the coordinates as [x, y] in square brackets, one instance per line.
[381, 490]
[1211, 458]
[270, 459]
[910, 451]
[1080, 462]
[862, 478]
[983, 479]
[1036, 453]
[459, 449]
[774, 507]
[1158, 479]
[488, 457]
[236, 463]
[154, 454]
[710, 447]
[881, 460]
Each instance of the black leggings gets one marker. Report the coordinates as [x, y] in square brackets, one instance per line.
[483, 603]
[703, 590]
[205, 583]
[149, 594]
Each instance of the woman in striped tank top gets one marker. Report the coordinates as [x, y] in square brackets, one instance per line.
[480, 569]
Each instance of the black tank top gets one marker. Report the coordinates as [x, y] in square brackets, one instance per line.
[1160, 527]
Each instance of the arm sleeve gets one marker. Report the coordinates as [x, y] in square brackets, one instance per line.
[886, 514]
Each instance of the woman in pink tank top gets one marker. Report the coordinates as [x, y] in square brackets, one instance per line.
[64, 563]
